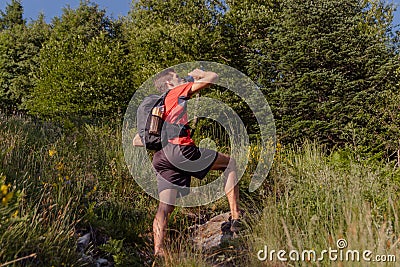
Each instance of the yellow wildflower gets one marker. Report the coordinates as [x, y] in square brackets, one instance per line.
[278, 147]
[15, 214]
[7, 198]
[4, 189]
[52, 152]
[60, 166]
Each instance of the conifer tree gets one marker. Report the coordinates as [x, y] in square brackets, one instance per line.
[12, 16]
[19, 47]
[325, 61]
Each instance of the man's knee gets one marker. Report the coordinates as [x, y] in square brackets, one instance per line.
[224, 162]
[167, 201]
[168, 196]
[230, 165]
[165, 209]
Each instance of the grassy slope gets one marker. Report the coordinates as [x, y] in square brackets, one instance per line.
[68, 184]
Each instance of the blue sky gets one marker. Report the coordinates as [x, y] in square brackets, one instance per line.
[114, 8]
[396, 20]
[52, 8]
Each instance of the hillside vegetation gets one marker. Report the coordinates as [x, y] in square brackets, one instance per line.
[330, 71]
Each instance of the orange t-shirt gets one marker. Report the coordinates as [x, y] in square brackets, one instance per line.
[175, 104]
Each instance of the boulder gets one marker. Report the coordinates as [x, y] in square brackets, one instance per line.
[213, 233]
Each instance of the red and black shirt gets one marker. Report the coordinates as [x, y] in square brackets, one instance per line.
[175, 104]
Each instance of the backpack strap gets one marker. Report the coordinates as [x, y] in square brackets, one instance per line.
[175, 129]
[162, 99]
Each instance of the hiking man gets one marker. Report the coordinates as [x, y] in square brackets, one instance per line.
[181, 158]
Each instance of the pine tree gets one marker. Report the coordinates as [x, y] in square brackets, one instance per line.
[19, 48]
[324, 63]
[12, 16]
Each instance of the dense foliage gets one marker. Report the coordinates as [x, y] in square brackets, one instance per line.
[329, 69]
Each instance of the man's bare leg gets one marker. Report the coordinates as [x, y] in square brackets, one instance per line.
[228, 165]
[160, 223]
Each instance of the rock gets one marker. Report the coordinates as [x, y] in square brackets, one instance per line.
[83, 242]
[87, 245]
[213, 233]
[102, 262]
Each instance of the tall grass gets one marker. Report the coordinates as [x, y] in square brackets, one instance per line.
[319, 199]
[65, 184]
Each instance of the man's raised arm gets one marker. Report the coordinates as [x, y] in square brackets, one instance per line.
[202, 79]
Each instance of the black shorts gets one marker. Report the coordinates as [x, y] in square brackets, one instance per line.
[175, 164]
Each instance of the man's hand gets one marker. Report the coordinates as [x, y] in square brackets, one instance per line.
[202, 79]
[197, 74]
[137, 141]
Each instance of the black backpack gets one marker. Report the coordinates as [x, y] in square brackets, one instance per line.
[143, 116]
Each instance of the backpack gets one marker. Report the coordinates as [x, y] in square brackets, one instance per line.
[143, 118]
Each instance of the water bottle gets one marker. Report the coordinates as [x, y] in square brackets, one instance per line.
[156, 120]
[188, 79]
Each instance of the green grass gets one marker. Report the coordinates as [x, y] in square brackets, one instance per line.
[319, 199]
[64, 184]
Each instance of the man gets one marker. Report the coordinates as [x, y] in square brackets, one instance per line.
[181, 158]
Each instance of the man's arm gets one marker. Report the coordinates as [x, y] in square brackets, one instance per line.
[137, 141]
[202, 80]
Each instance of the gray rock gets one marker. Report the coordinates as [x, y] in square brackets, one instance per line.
[83, 242]
[213, 233]
[102, 262]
